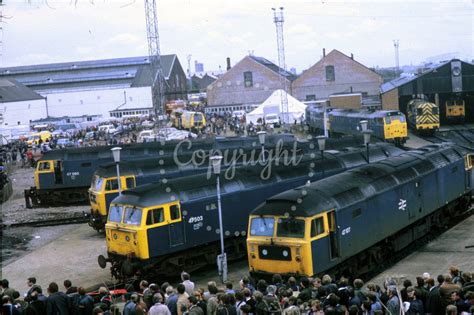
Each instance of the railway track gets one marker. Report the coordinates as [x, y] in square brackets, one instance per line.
[48, 222]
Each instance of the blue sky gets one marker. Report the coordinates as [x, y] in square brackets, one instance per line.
[40, 31]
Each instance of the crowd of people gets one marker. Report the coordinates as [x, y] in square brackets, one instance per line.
[451, 294]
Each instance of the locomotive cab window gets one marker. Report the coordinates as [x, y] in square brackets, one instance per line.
[419, 111]
[175, 213]
[115, 213]
[44, 166]
[130, 182]
[155, 216]
[317, 227]
[435, 110]
[468, 161]
[388, 120]
[289, 227]
[112, 184]
[262, 226]
[132, 216]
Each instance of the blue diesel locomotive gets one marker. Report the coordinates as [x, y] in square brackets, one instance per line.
[354, 221]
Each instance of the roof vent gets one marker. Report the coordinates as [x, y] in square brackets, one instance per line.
[73, 67]
[49, 80]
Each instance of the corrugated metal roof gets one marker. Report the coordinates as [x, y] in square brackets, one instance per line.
[270, 65]
[134, 70]
[13, 91]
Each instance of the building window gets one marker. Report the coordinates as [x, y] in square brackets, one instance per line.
[130, 99]
[248, 80]
[330, 75]
[311, 97]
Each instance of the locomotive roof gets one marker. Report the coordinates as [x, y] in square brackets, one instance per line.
[365, 113]
[149, 147]
[355, 185]
[203, 185]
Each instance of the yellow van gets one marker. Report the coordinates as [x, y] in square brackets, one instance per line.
[45, 136]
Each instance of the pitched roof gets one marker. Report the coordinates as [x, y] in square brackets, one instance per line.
[270, 65]
[130, 71]
[13, 91]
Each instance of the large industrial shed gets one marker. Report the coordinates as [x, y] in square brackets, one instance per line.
[100, 86]
[450, 80]
[19, 104]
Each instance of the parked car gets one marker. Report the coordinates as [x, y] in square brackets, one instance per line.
[107, 128]
[64, 143]
[146, 136]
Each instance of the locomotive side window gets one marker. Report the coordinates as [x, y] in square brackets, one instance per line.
[130, 182]
[317, 227]
[112, 184]
[174, 213]
[435, 110]
[155, 216]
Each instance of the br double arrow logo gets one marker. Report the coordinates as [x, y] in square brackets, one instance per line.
[402, 205]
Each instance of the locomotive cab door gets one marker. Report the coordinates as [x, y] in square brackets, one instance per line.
[469, 173]
[58, 172]
[176, 226]
[333, 235]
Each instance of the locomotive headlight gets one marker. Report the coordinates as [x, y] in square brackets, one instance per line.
[285, 253]
[264, 252]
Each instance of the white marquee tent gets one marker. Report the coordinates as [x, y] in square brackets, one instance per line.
[272, 105]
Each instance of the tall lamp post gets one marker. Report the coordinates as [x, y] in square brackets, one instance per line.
[261, 139]
[322, 146]
[222, 258]
[116, 154]
[367, 133]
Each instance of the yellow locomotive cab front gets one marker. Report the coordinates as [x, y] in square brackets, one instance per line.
[395, 127]
[124, 233]
[43, 167]
[279, 245]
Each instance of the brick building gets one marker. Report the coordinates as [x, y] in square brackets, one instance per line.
[246, 85]
[336, 73]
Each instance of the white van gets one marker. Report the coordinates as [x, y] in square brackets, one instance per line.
[272, 119]
[146, 136]
[107, 128]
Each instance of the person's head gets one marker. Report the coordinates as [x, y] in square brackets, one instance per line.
[6, 300]
[317, 282]
[164, 286]
[316, 305]
[358, 284]
[371, 287]
[212, 287]
[5, 283]
[426, 276]
[67, 284]
[15, 295]
[239, 296]
[261, 285]
[411, 293]
[420, 282]
[192, 300]
[392, 292]
[343, 281]
[292, 281]
[53, 288]
[466, 276]
[97, 311]
[245, 309]
[134, 297]
[372, 297]
[157, 298]
[31, 281]
[198, 295]
[407, 283]
[304, 282]
[353, 310]
[81, 291]
[181, 288]
[103, 291]
[258, 296]
[455, 296]
[271, 289]
[276, 278]
[245, 281]
[440, 279]
[448, 278]
[185, 276]
[38, 290]
[143, 284]
[454, 271]
[247, 293]
[451, 310]
[228, 285]
[169, 290]
[326, 279]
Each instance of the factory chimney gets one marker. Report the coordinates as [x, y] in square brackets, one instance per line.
[228, 64]
[324, 52]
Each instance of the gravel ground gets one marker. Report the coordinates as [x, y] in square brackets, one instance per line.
[16, 242]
